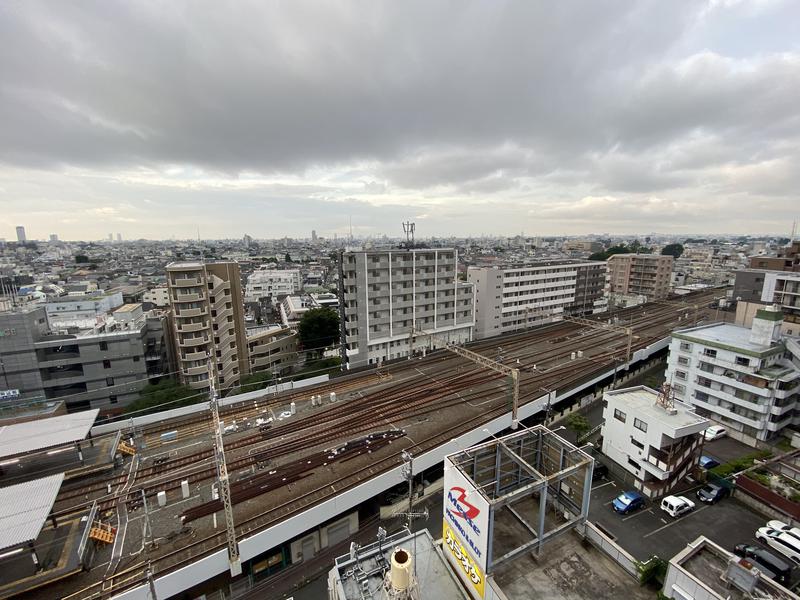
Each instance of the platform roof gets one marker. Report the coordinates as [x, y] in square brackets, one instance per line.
[24, 508]
[45, 433]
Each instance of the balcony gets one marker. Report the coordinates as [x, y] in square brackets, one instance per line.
[189, 342]
[729, 414]
[198, 385]
[733, 380]
[186, 298]
[729, 365]
[733, 399]
[186, 282]
[191, 312]
[191, 327]
[200, 355]
[195, 370]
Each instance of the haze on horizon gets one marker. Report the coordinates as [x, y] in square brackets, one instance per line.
[155, 119]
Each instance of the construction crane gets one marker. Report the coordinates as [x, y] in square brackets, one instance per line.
[498, 367]
[234, 560]
[608, 327]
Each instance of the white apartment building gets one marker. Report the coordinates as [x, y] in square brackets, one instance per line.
[510, 299]
[387, 294]
[747, 379]
[81, 311]
[265, 282]
[655, 438]
[159, 296]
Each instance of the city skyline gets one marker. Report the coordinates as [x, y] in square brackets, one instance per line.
[468, 119]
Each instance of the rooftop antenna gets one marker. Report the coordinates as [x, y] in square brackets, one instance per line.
[665, 399]
[408, 229]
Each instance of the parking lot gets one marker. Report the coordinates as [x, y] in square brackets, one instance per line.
[651, 531]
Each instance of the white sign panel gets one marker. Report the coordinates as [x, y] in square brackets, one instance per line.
[9, 394]
[466, 527]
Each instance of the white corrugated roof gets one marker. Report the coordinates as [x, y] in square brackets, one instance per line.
[45, 433]
[24, 508]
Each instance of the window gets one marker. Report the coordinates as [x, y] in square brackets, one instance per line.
[741, 360]
[619, 415]
[710, 352]
[637, 443]
[640, 425]
[680, 374]
[633, 463]
[682, 360]
[136, 359]
[678, 388]
[112, 399]
[103, 345]
[106, 364]
[109, 381]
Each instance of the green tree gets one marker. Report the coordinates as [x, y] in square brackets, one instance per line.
[672, 250]
[81, 258]
[287, 258]
[164, 395]
[251, 382]
[578, 423]
[319, 327]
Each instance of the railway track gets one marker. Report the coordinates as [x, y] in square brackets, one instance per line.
[434, 390]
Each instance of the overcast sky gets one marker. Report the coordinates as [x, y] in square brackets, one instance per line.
[156, 119]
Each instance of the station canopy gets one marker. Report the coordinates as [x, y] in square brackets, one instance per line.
[24, 508]
[22, 438]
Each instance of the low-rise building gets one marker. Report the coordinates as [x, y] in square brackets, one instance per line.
[514, 298]
[738, 376]
[81, 311]
[651, 436]
[647, 275]
[271, 349]
[157, 296]
[265, 282]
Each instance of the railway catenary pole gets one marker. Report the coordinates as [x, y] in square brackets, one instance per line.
[598, 325]
[234, 560]
[500, 368]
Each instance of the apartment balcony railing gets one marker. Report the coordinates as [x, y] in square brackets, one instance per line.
[190, 342]
[186, 282]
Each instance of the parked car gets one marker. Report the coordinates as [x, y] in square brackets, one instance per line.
[628, 502]
[769, 564]
[676, 506]
[786, 544]
[707, 462]
[714, 432]
[600, 471]
[711, 493]
[785, 528]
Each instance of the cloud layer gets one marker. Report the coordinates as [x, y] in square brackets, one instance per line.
[151, 118]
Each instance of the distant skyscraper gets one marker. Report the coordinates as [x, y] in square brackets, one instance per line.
[21, 234]
[119, 237]
[53, 237]
[314, 235]
[110, 237]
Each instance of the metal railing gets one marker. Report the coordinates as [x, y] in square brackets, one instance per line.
[85, 536]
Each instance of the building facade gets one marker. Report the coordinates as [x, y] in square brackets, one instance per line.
[510, 299]
[651, 436]
[738, 376]
[388, 294]
[647, 275]
[264, 283]
[157, 296]
[272, 350]
[82, 310]
[788, 259]
[21, 237]
[102, 367]
[208, 323]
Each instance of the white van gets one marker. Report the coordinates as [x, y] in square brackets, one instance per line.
[676, 506]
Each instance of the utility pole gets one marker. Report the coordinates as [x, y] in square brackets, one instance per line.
[224, 485]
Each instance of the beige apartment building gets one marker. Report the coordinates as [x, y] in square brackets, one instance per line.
[645, 275]
[208, 322]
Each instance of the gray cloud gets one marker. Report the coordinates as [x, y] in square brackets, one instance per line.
[392, 105]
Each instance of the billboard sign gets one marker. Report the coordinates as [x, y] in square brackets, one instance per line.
[9, 394]
[466, 527]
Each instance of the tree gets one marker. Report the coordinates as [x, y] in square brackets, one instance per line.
[287, 258]
[166, 392]
[672, 250]
[251, 382]
[578, 423]
[319, 328]
[81, 258]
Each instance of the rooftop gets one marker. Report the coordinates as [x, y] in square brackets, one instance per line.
[723, 333]
[642, 399]
[706, 563]
[371, 565]
[24, 508]
[45, 433]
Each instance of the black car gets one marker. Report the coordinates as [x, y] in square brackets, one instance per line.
[711, 493]
[767, 562]
[600, 471]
